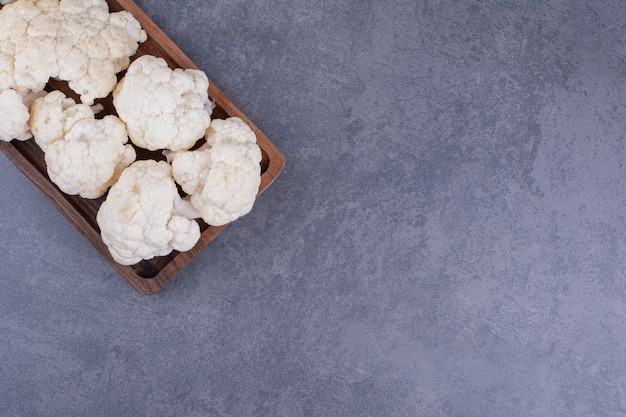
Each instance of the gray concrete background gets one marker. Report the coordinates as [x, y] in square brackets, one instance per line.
[447, 238]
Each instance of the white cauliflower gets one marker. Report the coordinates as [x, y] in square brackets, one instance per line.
[76, 41]
[15, 116]
[54, 115]
[90, 158]
[83, 155]
[163, 108]
[14, 109]
[28, 44]
[140, 218]
[223, 176]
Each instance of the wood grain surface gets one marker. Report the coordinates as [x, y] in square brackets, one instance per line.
[149, 276]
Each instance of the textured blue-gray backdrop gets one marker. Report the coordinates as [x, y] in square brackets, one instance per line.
[447, 238]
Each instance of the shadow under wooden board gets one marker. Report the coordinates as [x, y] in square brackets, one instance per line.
[149, 276]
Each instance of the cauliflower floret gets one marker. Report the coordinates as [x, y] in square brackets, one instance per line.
[54, 115]
[24, 56]
[105, 41]
[163, 108]
[90, 158]
[139, 219]
[83, 155]
[76, 41]
[223, 176]
[14, 109]
[15, 116]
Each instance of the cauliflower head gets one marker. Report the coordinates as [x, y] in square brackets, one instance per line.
[139, 220]
[163, 108]
[75, 41]
[223, 176]
[83, 155]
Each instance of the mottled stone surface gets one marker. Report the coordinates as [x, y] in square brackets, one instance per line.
[447, 238]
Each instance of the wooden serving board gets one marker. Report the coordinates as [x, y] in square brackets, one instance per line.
[149, 276]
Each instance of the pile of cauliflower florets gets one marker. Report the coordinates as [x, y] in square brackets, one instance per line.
[143, 215]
